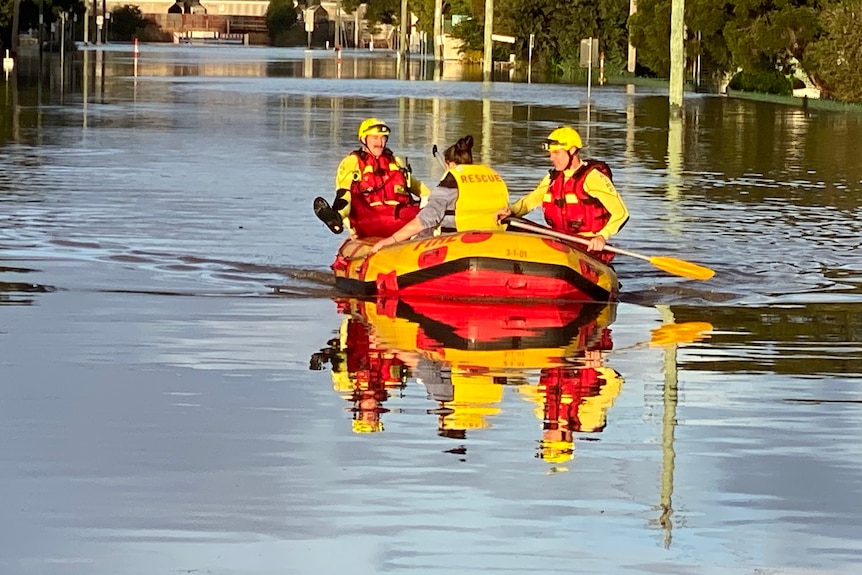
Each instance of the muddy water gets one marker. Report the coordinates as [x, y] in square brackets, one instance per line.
[184, 391]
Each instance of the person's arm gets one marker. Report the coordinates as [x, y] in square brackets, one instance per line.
[532, 200]
[600, 187]
[428, 217]
[347, 173]
[409, 230]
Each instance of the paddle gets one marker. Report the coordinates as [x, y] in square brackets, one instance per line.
[671, 265]
[439, 158]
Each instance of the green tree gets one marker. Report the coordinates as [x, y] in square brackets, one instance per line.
[127, 22]
[650, 34]
[770, 34]
[472, 33]
[469, 28]
[28, 17]
[757, 35]
[559, 26]
[834, 60]
[379, 11]
[280, 20]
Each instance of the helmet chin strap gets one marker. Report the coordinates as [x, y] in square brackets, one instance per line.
[571, 158]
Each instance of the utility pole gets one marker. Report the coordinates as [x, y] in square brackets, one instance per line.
[633, 52]
[41, 19]
[356, 28]
[86, 23]
[402, 33]
[16, 10]
[337, 39]
[677, 55]
[438, 30]
[487, 62]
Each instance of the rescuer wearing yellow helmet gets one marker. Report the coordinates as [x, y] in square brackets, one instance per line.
[577, 196]
[374, 190]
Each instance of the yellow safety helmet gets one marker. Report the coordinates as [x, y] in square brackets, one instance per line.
[373, 127]
[563, 138]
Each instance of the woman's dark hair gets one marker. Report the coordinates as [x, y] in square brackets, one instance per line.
[461, 152]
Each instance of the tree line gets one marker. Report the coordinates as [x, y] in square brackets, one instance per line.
[761, 42]
[126, 22]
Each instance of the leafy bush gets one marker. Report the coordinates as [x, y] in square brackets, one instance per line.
[473, 35]
[280, 19]
[767, 82]
[834, 60]
[126, 22]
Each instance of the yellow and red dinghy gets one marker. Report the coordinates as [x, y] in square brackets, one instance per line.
[487, 264]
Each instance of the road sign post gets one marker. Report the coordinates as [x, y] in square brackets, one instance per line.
[589, 57]
[309, 23]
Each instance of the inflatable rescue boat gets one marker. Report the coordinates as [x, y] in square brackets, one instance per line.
[481, 264]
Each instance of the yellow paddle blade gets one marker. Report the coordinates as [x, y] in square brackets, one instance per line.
[676, 333]
[682, 268]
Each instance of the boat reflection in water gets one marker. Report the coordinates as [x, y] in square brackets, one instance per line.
[467, 354]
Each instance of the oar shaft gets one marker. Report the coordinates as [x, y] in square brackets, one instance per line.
[671, 265]
[526, 225]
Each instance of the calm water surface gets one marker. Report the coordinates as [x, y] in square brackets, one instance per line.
[183, 391]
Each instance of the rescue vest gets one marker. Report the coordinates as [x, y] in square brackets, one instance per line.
[567, 206]
[481, 194]
[380, 200]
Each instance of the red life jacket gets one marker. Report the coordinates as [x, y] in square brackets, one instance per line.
[567, 206]
[380, 202]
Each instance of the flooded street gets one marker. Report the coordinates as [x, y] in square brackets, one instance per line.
[182, 389]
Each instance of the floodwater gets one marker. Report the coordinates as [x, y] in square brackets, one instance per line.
[183, 391]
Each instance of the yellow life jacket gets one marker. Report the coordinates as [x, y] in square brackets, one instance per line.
[481, 194]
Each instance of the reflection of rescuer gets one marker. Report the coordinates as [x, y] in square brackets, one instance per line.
[375, 192]
[466, 398]
[362, 373]
[575, 398]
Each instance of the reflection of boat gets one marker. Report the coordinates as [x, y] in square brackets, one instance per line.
[475, 264]
[465, 353]
[521, 335]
